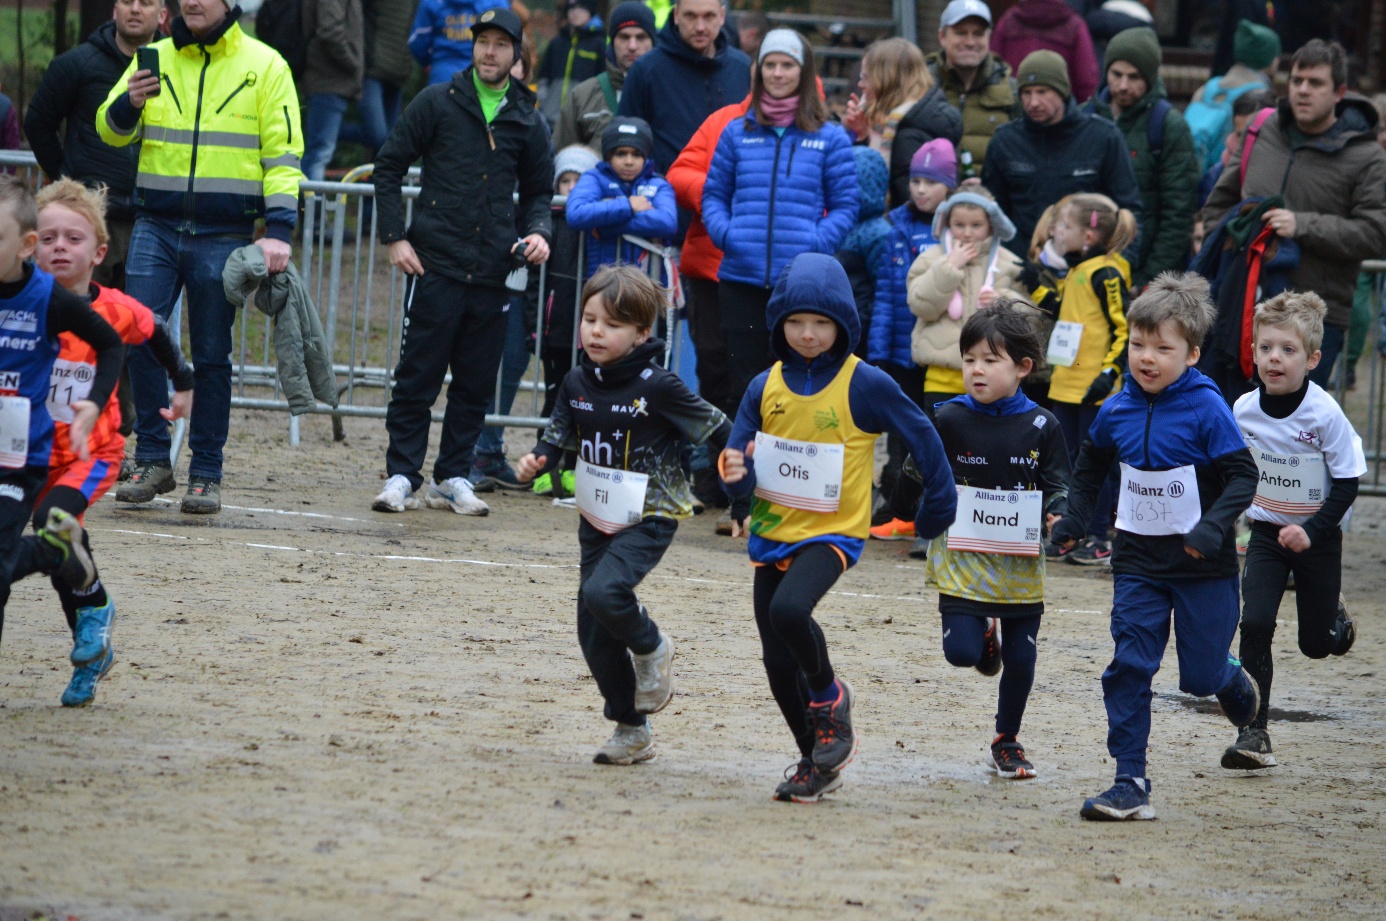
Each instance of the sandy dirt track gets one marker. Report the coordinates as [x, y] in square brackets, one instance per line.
[320, 712]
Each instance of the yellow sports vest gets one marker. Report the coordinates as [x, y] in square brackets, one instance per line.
[826, 418]
[1100, 346]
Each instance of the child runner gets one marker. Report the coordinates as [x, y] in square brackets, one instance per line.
[1186, 475]
[1309, 459]
[627, 417]
[71, 244]
[34, 311]
[1011, 468]
[1087, 346]
[808, 427]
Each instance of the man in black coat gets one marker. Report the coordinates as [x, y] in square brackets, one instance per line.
[480, 137]
[61, 121]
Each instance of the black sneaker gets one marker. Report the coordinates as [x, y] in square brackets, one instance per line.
[919, 550]
[990, 663]
[203, 496]
[1251, 751]
[1240, 699]
[1344, 630]
[1128, 798]
[146, 481]
[807, 784]
[1007, 759]
[1091, 553]
[1053, 551]
[834, 742]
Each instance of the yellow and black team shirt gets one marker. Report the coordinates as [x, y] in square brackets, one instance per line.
[1096, 293]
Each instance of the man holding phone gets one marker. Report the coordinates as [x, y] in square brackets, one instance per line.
[480, 137]
[218, 116]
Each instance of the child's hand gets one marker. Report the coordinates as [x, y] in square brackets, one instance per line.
[733, 466]
[640, 203]
[527, 467]
[1293, 537]
[960, 256]
[182, 406]
[84, 416]
[1192, 552]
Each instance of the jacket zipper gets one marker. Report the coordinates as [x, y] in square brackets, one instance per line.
[244, 83]
[189, 208]
[770, 223]
[172, 92]
[288, 123]
[1149, 414]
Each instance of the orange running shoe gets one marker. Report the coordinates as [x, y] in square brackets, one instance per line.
[895, 529]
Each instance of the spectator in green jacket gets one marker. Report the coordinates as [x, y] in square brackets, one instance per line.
[977, 83]
[1167, 174]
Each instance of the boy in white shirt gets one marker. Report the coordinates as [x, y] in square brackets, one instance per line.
[1309, 460]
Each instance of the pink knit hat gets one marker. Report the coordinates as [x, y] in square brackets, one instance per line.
[936, 160]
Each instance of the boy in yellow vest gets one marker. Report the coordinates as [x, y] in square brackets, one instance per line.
[809, 425]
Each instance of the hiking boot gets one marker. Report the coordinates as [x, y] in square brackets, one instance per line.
[1241, 698]
[806, 784]
[93, 633]
[1344, 630]
[1128, 798]
[64, 533]
[919, 550]
[990, 662]
[894, 529]
[397, 496]
[1091, 552]
[498, 472]
[654, 677]
[834, 742]
[146, 481]
[457, 494]
[627, 745]
[1251, 751]
[203, 496]
[127, 467]
[1007, 759]
[81, 690]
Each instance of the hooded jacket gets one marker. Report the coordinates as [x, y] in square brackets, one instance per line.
[585, 114]
[860, 253]
[1335, 183]
[770, 196]
[1169, 185]
[574, 55]
[442, 36]
[1030, 166]
[600, 204]
[1187, 423]
[892, 323]
[1035, 25]
[675, 88]
[465, 218]
[73, 87]
[930, 118]
[336, 59]
[814, 283]
[700, 258]
[990, 102]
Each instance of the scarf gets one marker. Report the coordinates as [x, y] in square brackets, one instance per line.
[779, 112]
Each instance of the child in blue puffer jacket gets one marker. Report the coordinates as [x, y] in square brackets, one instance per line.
[622, 195]
[861, 252]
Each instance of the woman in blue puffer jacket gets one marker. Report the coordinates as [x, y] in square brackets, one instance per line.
[782, 182]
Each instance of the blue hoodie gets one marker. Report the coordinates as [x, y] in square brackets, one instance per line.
[442, 36]
[600, 204]
[892, 323]
[815, 283]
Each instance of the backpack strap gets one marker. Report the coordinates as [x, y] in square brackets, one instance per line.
[604, 81]
[1155, 128]
[1252, 131]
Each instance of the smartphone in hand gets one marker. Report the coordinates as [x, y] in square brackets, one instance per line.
[149, 60]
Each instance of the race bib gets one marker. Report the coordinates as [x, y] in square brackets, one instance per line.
[997, 521]
[1064, 342]
[1291, 484]
[69, 382]
[805, 475]
[611, 500]
[1158, 502]
[14, 431]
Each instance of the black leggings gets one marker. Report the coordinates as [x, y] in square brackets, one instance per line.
[1318, 579]
[962, 646]
[792, 645]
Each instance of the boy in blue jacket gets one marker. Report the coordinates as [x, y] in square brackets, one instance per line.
[1186, 474]
[622, 195]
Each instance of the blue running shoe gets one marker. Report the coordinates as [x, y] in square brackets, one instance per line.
[1129, 798]
[1241, 698]
[81, 690]
[93, 633]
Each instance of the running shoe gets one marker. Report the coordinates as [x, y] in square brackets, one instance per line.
[627, 745]
[834, 741]
[543, 485]
[990, 663]
[498, 472]
[654, 676]
[1091, 552]
[806, 784]
[894, 529]
[455, 493]
[397, 496]
[1251, 751]
[1128, 799]
[93, 638]
[1344, 629]
[1007, 759]
[64, 533]
[81, 690]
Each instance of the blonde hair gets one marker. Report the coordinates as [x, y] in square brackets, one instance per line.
[895, 71]
[1300, 311]
[1115, 226]
[87, 202]
[1042, 230]
[15, 195]
[1180, 298]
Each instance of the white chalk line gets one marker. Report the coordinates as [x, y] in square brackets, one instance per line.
[280, 511]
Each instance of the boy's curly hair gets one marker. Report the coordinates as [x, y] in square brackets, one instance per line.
[1301, 311]
[1180, 298]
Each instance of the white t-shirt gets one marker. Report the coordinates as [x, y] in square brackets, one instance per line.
[1299, 456]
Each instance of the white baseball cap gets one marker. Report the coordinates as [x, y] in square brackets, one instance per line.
[959, 10]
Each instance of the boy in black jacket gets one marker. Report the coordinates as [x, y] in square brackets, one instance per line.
[627, 418]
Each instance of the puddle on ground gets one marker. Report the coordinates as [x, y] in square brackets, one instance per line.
[1277, 714]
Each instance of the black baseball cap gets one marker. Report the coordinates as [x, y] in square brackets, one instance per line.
[501, 19]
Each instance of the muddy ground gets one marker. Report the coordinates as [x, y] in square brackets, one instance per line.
[320, 712]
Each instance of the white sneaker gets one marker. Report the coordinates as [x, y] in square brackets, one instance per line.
[654, 677]
[397, 496]
[627, 745]
[455, 493]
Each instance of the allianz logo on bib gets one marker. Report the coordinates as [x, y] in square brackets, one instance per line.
[1290, 461]
[1176, 489]
[785, 446]
[19, 321]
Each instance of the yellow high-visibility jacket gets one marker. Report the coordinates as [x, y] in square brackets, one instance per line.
[221, 143]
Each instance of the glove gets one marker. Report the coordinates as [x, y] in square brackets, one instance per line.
[1100, 388]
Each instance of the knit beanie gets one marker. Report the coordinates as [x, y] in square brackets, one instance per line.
[1255, 46]
[588, 5]
[936, 160]
[1044, 68]
[1139, 47]
[575, 158]
[632, 14]
[782, 41]
[628, 132]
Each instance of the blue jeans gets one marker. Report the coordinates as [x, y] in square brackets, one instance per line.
[379, 108]
[490, 447]
[162, 263]
[320, 130]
